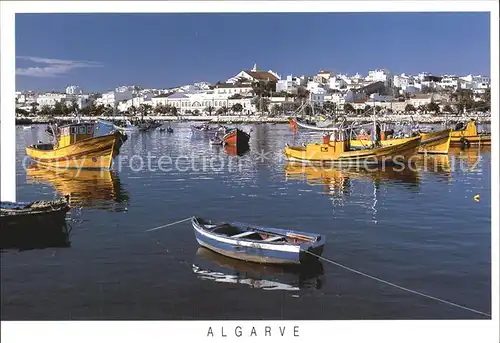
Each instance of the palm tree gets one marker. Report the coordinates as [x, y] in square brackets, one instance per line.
[144, 109]
[209, 109]
[262, 104]
[276, 109]
[174, 110]
[237, 108]
[161, 109]
[433, 107]
[33, 109]
[45, 110]
[224, 110]
[73, 107]
[132, 110]
[410, 108]
[447, 108]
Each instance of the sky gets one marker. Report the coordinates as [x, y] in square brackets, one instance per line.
[99, 52]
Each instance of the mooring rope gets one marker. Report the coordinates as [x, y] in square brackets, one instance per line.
[400, 287]
[354, 271]
[170, 224]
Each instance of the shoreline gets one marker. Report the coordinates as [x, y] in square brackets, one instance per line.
[421, 119]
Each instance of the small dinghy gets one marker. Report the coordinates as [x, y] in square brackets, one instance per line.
[18, 212]
[258, 244]
[22, 223]
[170, 130]
[216, 141]
[161, 129]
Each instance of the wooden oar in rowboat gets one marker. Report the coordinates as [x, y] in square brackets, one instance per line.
[289, 235]
[305, 238]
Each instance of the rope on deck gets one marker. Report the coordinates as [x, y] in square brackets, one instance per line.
[170, 224]
[397, 286]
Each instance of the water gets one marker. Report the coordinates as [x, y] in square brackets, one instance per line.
[419, 229]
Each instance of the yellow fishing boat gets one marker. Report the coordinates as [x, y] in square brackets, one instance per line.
[336, 149]
[469, 135]
[432, 142]
[85, 187]
[76, 146]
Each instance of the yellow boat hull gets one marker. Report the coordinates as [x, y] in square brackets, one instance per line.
[457, 139]
[90, 153]
[435, 142]
[431, 143]
[337, 153]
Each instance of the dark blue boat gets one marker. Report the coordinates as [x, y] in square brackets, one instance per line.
[258, 244]
[26, 225]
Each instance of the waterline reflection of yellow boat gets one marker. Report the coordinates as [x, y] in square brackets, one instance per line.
[431, 142]
[76, 147]
[337, 176]
[438, 164]
[88, 188]
[336, 149]
[469, 135]
[470, 157]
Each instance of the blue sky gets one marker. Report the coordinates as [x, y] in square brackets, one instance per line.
[102, 51]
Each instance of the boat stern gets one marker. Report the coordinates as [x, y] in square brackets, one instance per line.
[310, 252]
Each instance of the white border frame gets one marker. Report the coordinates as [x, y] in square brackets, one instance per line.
[340, 331]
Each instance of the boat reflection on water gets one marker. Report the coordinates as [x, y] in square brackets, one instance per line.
[100, 189]
[468, 158]
[53, 237]
[211, 266]
[337, 179]
[233, 150]
[436, 164]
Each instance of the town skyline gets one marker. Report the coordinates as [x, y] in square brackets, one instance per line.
[170, 50]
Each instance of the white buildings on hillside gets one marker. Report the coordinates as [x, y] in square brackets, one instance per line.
[112, 98]
[72, 90]
[290, 84]
[476, 79]
[255, 75]
[382, 75]
[50, 99]
[198, 102]
[230, 89]
[338, 82]
[450, 82]
[137, 101]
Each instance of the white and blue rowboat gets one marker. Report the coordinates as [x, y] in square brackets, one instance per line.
[258, 244]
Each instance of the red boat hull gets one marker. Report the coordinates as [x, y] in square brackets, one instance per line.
[237, 138]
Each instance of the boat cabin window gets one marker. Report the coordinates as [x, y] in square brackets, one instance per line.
[73, 130]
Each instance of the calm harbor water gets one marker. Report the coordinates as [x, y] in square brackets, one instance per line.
[419, 228]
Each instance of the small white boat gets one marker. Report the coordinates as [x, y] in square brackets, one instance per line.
[28, 127]
[216, 141]
[128, 128]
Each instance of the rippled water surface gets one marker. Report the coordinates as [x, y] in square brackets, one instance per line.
[418, 228]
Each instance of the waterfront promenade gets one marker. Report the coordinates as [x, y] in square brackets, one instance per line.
[418, 118]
